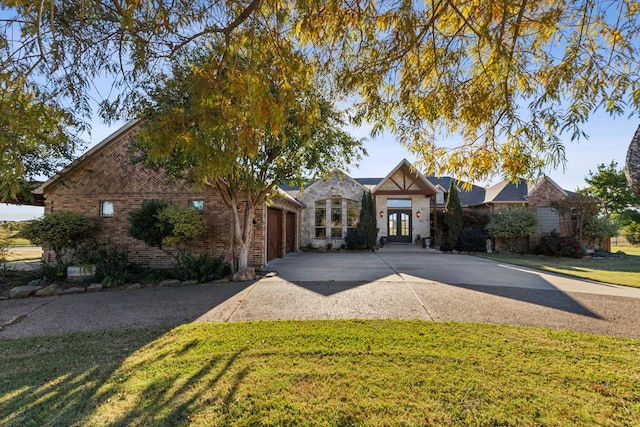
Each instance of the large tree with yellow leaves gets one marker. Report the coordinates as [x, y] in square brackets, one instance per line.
[507, 78]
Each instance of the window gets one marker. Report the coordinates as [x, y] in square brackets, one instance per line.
[336, 218]
[321, 219]
[352, 215]
[198, 205]
[107, 208]
[548, 220]
[399, 203]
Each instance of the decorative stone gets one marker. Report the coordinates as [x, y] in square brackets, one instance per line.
[134, 286]
[244, 274]
[190, 282]
[94, 287]
[48, 291]
[23, 291]
[169, 282]
[74, 290]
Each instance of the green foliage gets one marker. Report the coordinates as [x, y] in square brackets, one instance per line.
[453, 215]
[472, 240]
[367, 231]
[609, 185]
[59, 231]
[627, 217]
[549, 245]
[632, 233]
[145, 225]
[184, 222]
[575, 211]
[512, 223]
[111, 263]
[36, 137]
[600, 228]
[5, 244]
[203, 268]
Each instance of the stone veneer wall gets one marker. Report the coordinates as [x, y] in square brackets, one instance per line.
[421, 226]
[109, 175]
[332, 187]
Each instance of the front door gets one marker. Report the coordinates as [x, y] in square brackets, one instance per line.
[399, 225]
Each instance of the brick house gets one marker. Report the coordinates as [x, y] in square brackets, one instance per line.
[106, 186]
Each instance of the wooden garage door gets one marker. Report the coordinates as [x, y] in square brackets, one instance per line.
[291, 232]
[274, 233]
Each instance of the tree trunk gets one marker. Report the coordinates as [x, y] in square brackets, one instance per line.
[241, 235]
[632, 169]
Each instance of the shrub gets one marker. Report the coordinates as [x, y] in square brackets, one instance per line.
[157, 223]
[60, 231]
[203, 268]
[549, 245]
[145, 226]
[355, 241]
[472, 240]
[600, 228]
[511, 224]
[570, 247]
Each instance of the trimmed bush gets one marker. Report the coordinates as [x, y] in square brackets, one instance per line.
[472, 240]
[203, 268]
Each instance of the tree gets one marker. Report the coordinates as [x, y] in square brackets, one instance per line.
[576, 211]
[610, 186]
[60, 231]
[241, 123]
[512, 223]
[509, 78]
[600, 228]
[453, 215]
[367, 221]
[36, 138]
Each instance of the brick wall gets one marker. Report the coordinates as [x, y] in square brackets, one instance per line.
[109, 175]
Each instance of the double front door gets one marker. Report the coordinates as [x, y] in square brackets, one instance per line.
[399, 225]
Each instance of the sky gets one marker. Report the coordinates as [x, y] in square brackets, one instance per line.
[608, 141]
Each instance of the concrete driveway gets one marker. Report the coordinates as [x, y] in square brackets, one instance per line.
[387, 285]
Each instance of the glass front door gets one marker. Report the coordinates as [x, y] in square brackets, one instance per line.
[399, 226]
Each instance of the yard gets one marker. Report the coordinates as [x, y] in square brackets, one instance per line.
[332, 373]
[19, 249]
[623, 270]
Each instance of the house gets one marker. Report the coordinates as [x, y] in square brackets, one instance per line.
[107, 186]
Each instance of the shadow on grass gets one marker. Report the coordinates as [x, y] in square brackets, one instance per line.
[99, 382]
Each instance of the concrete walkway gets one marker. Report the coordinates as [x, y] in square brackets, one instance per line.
[417, 285]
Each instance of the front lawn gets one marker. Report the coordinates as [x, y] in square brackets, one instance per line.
[332, 373]
[616, 270]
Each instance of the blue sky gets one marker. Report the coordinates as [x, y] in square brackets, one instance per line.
[608, 140]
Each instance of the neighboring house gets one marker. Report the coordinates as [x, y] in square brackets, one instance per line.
[106, 186]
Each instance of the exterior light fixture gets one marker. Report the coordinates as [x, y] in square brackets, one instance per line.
[381, 214]
[418, 214]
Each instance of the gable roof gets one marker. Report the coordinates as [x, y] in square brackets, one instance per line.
[406, 168]
[96, 148]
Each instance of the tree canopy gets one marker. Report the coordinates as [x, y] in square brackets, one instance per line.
[609, 185]
[506, 78]
[242, 123]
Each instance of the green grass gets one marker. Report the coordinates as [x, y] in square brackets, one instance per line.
[330, 373]
[618, 271]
